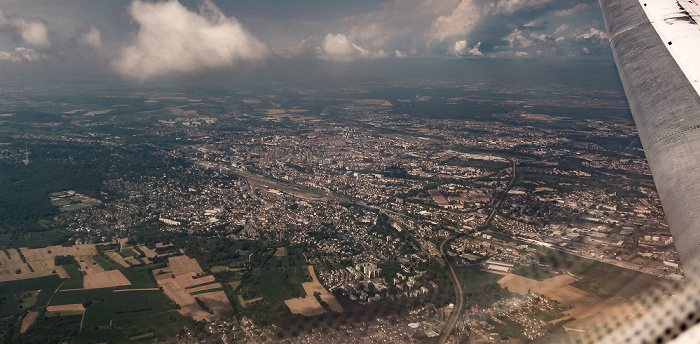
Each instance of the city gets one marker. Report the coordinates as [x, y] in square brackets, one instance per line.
[327, 218]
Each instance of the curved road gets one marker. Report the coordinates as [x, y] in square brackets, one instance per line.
[458, 292]
[458, 287]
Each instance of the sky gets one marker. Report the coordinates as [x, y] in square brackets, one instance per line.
[139, 40]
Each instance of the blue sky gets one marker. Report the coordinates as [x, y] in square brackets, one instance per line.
[139, 40]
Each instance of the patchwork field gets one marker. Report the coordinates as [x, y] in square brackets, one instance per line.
[148, 252]
[88, 263]
[182, 264]
[117, 258]
[588, 309]
[181, 286]
[42, 262]
[308, 305]
[10, 264]
[216, 301]
[39, 262]
[104, 279]
[69, 309]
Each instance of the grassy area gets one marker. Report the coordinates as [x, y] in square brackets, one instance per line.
[76, 277]
[480, 288]
[130, 313]
[221, 268]
[33, 239]
[602, 279]
[105, 263]
[535, 272]
[125, 305]
[60, 327]
[11, 292]
[140, 277]
[328, 266]
[207, 291]
[28, 298]
[272, 286]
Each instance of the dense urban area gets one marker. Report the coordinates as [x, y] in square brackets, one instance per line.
[459, 213]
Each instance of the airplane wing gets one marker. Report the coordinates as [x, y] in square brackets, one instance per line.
[656, 45]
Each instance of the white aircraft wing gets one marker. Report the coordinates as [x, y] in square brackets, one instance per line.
[656, 44]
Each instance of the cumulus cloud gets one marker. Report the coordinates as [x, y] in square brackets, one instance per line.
[462, 49]
[92, 38]
[475, 50]
[593, 33]
[173, 39]
[32, 32]
[562, 28]
[428, 27]
[20, 54]
[468, 14]
[459, 47]
[512, 6]
[577, 10]
[517, 39]
[461, 20]
[340, 48]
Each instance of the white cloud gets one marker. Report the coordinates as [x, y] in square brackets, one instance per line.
[400, 54]
[174, 39]
[20, 54]
[32, 32]
[593, 33]
[459, 47]
[512, 6]
[340, 48]
[468, 14]
[427, 27]
[516, 39]
[475, 50]
[92, 38]
[562, 28]
[579, 9]
[461, 20]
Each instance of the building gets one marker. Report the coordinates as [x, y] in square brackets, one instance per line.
[498, 266]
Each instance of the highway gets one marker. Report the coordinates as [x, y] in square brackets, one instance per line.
[309, 193]
[459, 303]
[458, 292]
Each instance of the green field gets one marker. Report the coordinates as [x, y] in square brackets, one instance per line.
[106, 264]
[76, 277]
[129, 313]
[140, 276]
[603, 279]
[48, 328]
[33, 239]
[115, 317]
[12, 292]
[480, 288]
[534, 272]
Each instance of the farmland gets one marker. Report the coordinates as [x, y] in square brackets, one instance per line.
[309, 305]
[89, 297]
[198, 296]
[586, 308]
